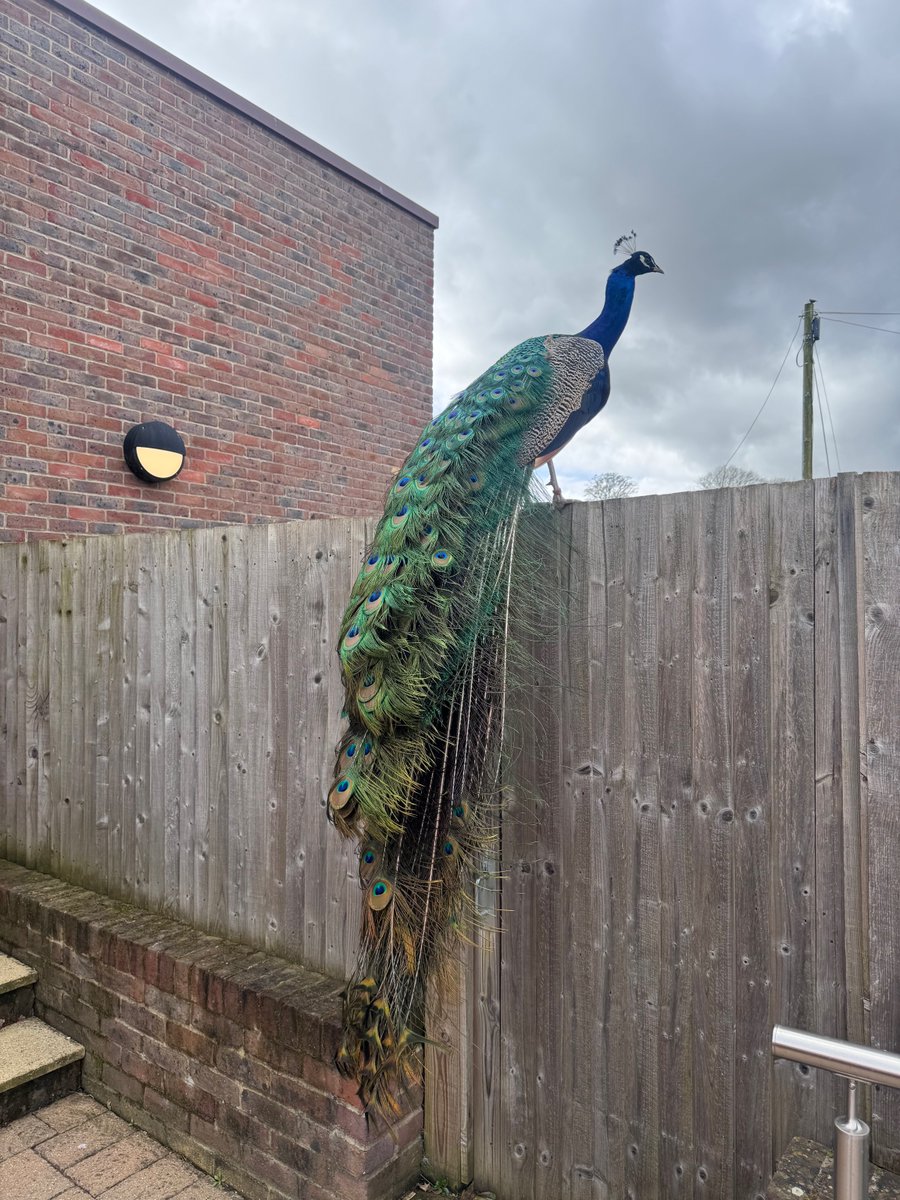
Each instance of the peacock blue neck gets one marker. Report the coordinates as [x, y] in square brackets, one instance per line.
[607, 328]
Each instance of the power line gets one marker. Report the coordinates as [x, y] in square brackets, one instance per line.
[853, 312]
[818, 360]
[860, 325]
[771, 390]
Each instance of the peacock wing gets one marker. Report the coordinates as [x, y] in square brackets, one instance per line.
[578, 389]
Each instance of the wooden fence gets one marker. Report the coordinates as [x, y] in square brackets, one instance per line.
[703, 836]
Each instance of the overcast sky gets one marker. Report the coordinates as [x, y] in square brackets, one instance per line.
[754, 146]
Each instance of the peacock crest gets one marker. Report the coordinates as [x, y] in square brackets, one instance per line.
[627, 243]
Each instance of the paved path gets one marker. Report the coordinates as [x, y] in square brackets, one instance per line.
[76, 1149]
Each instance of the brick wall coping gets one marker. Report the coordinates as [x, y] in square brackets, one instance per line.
[134, 41]
[254, 989]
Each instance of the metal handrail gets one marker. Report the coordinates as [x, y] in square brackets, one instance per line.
[857, 1064]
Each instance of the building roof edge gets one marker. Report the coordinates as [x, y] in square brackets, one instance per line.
[135, 41]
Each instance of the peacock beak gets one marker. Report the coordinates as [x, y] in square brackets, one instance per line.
[658, 270]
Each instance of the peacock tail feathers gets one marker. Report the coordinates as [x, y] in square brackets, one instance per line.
[423, 662]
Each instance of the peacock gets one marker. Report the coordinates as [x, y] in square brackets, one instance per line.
[424, 657]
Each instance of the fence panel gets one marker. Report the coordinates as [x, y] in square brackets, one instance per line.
[703, 861]
[169, 706]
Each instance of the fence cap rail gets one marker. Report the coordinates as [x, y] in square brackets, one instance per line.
[863, 1063]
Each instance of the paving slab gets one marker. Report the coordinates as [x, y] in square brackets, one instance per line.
[164, 1179]
[71, 1110]
[103, 1170]
[22, 1135]
[66, 1149]
[26, 1176]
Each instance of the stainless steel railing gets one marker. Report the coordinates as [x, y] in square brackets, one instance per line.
[857, 1064]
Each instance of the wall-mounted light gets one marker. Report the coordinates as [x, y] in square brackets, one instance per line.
[153, 451]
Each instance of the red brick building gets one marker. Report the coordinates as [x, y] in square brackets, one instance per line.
[168, 251]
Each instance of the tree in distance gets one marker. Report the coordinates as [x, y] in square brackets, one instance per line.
[610, 486]
[723, 477]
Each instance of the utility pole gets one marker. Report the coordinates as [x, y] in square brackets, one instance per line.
[810, 335]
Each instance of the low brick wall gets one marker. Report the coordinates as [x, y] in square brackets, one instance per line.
[221, 1052]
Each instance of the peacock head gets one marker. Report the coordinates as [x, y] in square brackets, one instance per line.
[639, 263]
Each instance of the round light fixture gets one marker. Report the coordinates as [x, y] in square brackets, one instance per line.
[153, 451]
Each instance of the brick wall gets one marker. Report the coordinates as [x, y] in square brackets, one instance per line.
[166, 256]
[222, 1053]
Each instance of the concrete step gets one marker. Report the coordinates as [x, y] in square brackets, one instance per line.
[806, 1169]
[37, 1066]
[16, 990]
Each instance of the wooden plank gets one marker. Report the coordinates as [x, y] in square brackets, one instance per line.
[518, 991]
[10, 603]
[259, 746]
[315, 650]
[447, 1133]
[849, 576]
[36, 687]
[87, 620]
[72, 695]
[147, 796]
[485, 1001]
[558, 924]
[593, 794]
[284, 736]
[881, 580]
[215, 867]
[15, 614]
[248, 728]
[120, 606]
[238, 729]
[712, 836]
[102, 654]
[677, 1162]
[584, 905]
[155, 802]
[60, 662]
[181, 660]
[750, 788]
[298, 827]
[520, 939]
[123, 864]
[831, 992]
[203, 581]
[343, 545]
[641, 704]
[620, 1050]
[13, 702]
[792, 717]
